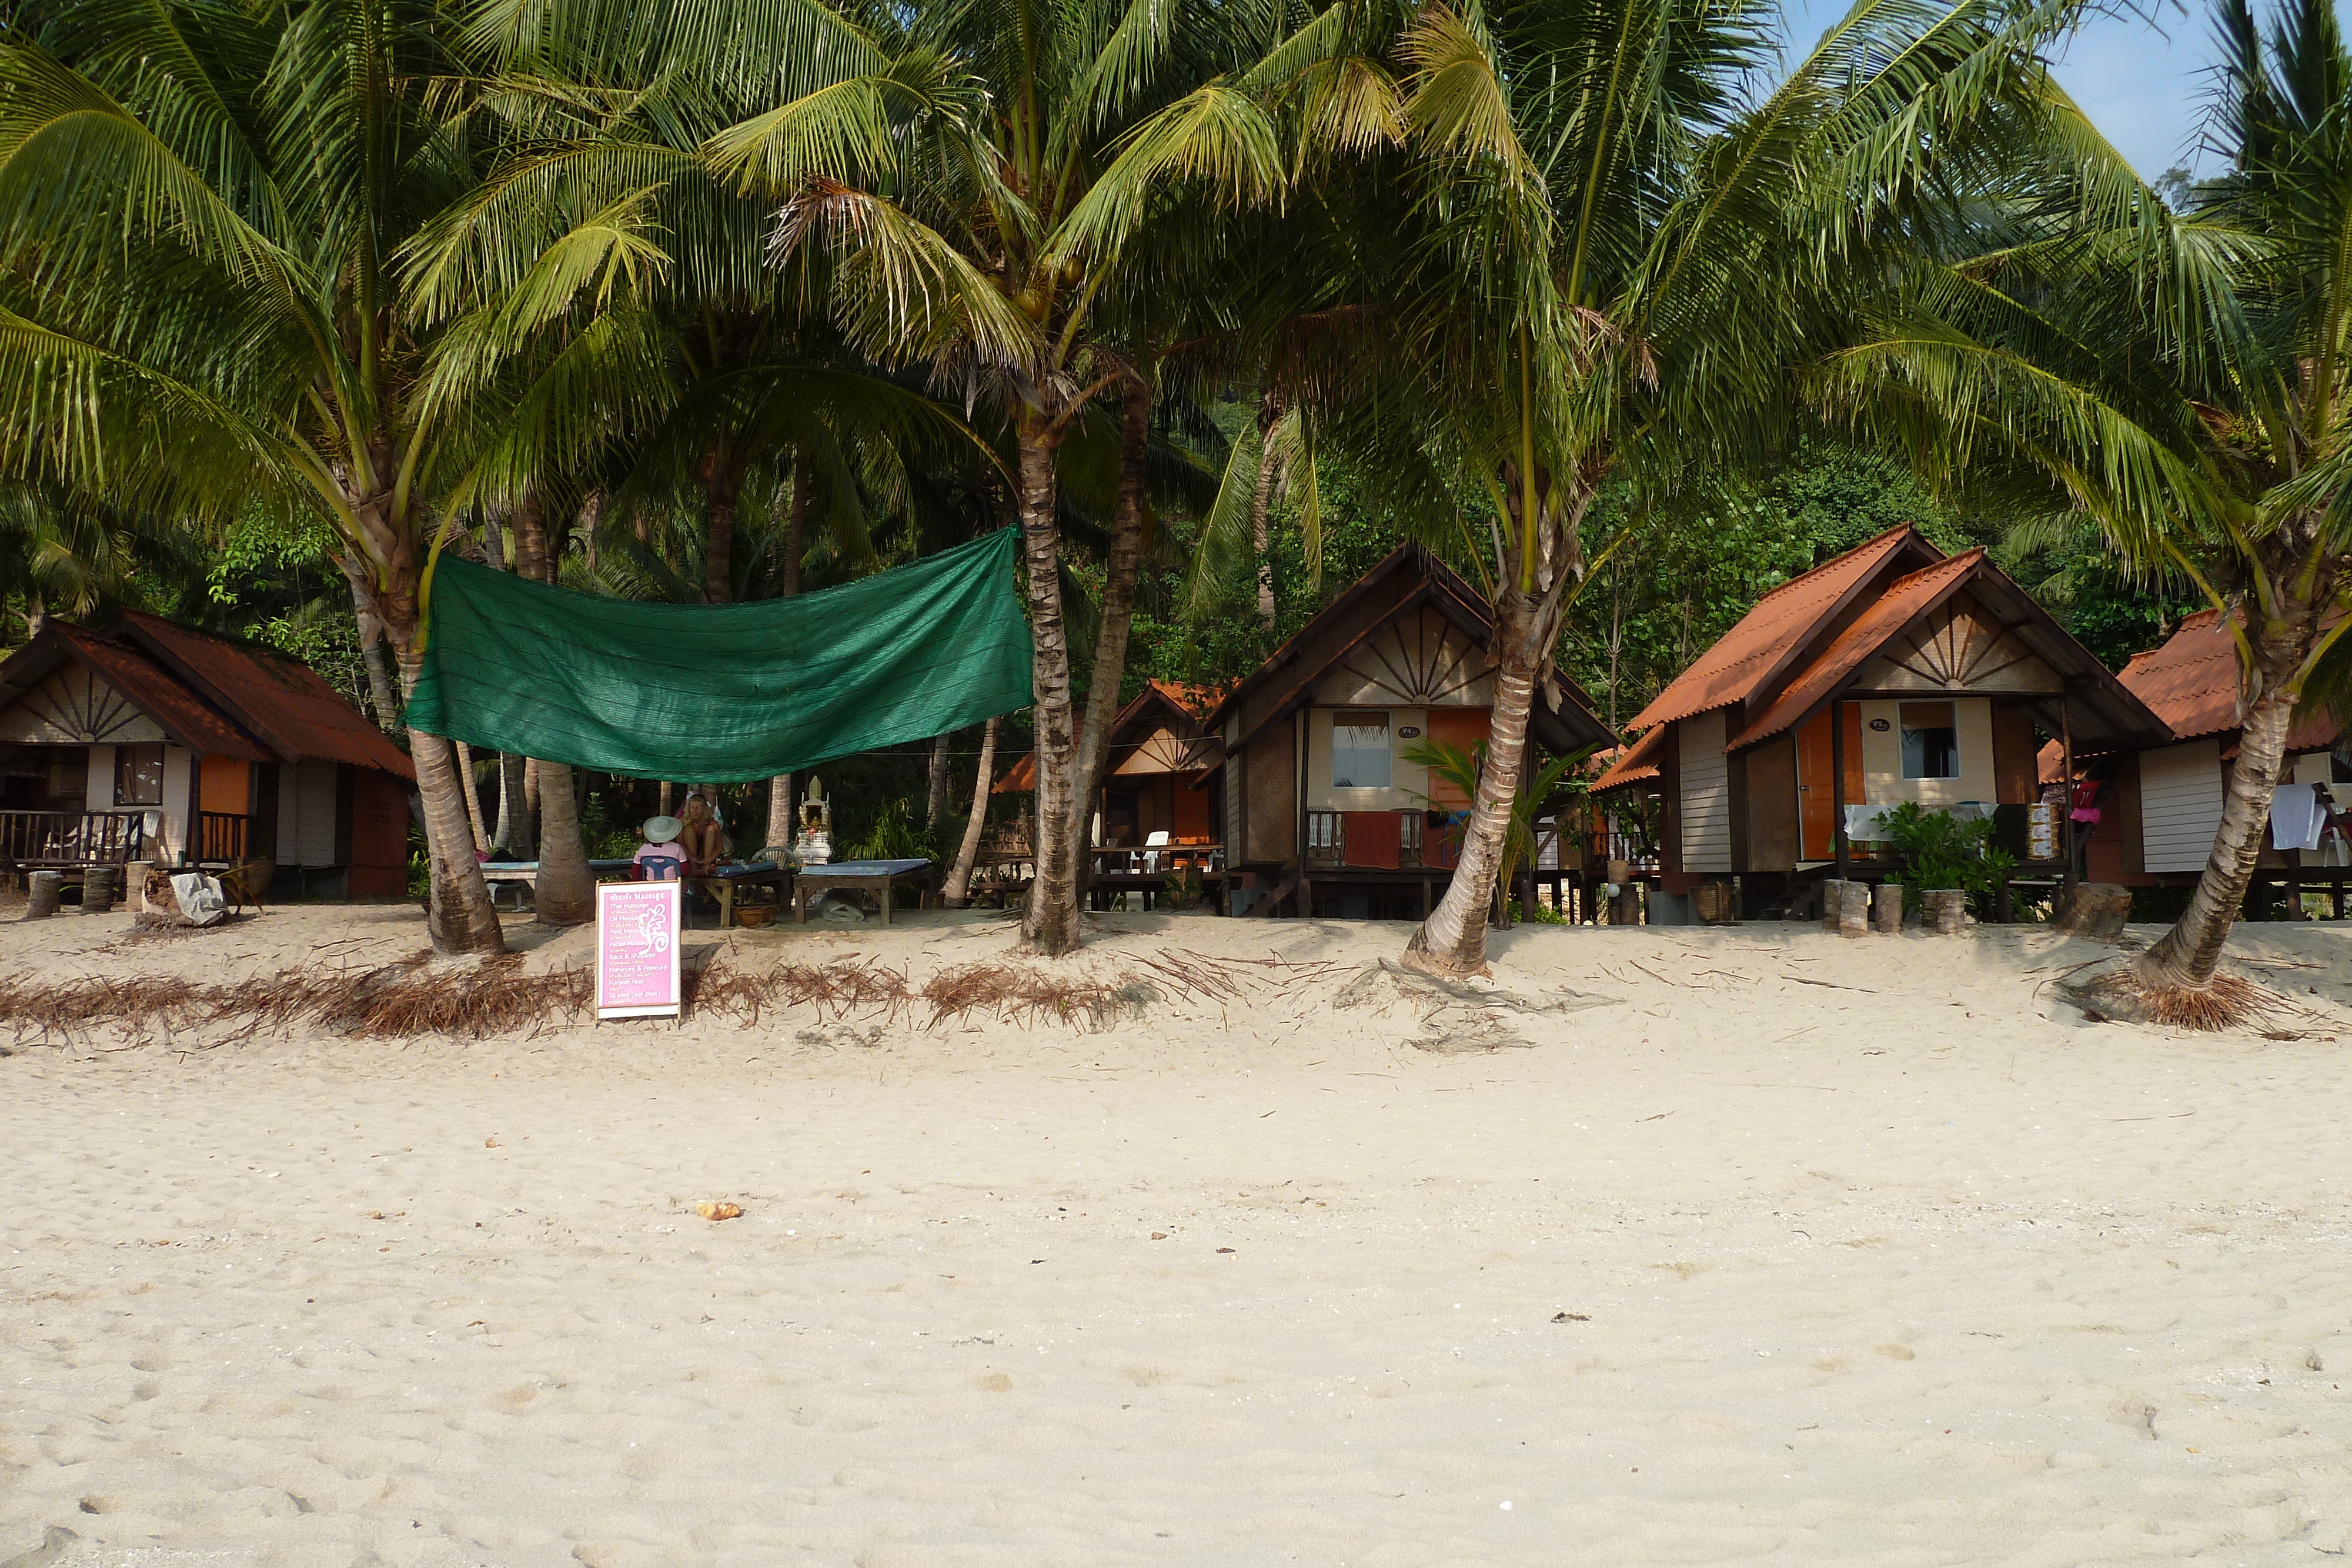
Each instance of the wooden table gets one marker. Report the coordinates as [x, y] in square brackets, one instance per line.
[880, 876]
[726, 879]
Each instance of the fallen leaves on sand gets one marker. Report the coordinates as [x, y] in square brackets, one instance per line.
[415, 996]
[713, 1210]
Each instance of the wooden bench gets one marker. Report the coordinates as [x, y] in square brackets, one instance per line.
[874, 876]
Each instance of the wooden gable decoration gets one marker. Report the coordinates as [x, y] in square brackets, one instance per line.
[74, 706]
[1165, 751]
[1956, 648]
[1420, 658]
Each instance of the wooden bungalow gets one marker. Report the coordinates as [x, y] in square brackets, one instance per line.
[2159, 806]
[147, 741]
[1891, 672]
[1154, 815]
[1322, 812]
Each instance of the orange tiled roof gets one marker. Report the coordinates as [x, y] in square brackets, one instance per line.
[1634, 763]
[2191, 683]
[1906, 599]
[1766, 636]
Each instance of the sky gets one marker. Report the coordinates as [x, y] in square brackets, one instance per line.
[2142, 84]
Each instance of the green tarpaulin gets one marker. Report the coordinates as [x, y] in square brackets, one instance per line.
[719, 694]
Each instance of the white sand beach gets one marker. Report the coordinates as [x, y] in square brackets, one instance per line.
[1741, 1245]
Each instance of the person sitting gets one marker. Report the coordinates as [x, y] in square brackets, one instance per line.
[703, 840]
[661, 858]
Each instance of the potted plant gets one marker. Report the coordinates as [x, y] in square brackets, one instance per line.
[1948, 864]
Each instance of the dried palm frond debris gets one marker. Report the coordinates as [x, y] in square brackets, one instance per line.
[2227, 1002]
[410, 997]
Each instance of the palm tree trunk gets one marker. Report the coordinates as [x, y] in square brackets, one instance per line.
[517, 832]
[1452, 939]
[565, 893]
[376, 655]
[37, 614]
[458, 914]
[473, 799]
[1050, 924]
[936, 807]
[1119, 600]
[2187, 956]
[565, 890]
[722, 483]
[1260, 534]
[780, 790]
[957, 892]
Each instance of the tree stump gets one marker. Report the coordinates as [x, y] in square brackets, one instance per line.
[1944, 910]
[1886, 909]
[2098, 911]
[1845, 907]
[41, 900]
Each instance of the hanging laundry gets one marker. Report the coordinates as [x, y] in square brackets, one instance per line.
[2297, 816]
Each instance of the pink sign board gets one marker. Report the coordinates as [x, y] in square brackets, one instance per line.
[637, 948]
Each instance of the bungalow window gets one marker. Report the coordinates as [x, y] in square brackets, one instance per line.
[1931, 741]
[138, 775]
[1360, 750]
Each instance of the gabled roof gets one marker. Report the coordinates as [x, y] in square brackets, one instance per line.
[2191, 680]
[2191, 683]
[1637, 762]
[210, 695]
[1191, 705]
[1198, 701]
[287, 706]
[183, 715]
[1905, 600]
[1432, 582]
[1749, 658]
[2101, 710]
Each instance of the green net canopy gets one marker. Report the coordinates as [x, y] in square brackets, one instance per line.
[721, 693]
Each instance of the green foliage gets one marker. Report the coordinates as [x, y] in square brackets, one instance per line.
[897, 834]
[1541, 914]
[1461, 768]
[1940, 850]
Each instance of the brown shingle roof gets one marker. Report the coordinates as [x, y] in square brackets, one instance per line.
[286, 706]
[1744, 658]
[183, 715]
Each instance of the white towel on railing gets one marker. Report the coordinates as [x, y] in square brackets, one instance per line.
[2297, 816]
[1866, 824]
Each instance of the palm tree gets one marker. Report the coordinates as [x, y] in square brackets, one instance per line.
[1582, 243]
[2181, 379]
[938, 183]
[199, 209]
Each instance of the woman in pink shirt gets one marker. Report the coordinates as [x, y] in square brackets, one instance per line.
[660, 858]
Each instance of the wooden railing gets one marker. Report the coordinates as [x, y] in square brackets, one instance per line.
[1420, 847]
[71, 838]
[221, 835]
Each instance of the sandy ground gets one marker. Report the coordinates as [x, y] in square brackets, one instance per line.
[1745, 1246]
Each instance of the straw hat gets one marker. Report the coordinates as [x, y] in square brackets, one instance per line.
[662, 830]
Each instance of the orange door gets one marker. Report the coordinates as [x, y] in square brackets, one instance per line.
[1816, 797]
[1465, 727]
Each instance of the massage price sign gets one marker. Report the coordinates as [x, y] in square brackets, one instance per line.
[637, 950]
